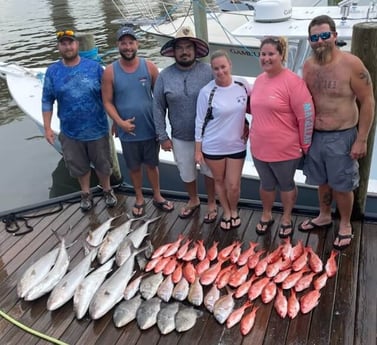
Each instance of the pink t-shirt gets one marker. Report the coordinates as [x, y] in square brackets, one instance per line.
[283, 117]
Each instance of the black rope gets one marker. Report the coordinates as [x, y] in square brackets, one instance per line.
[12, 220]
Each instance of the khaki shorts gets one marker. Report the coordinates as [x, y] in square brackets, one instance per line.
[184, 156]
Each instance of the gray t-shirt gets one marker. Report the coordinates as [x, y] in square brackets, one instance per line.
[177, 90]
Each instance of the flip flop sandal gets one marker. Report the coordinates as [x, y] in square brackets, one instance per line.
[225, 224]
[188, 211]
[340, 238]
[236, 222]
[210, 217]
[263, 224]
[312, 226]
[163, 205]
[283, 228]
[139, 207]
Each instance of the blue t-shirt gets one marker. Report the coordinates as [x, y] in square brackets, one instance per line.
[77, 90]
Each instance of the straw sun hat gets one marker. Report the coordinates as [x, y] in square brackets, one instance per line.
[185, 33]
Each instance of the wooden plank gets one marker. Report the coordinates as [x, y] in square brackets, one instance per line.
[366, 313]
[345, 314]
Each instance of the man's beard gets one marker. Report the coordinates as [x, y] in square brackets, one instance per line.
[128, 58]
[321, 55]
[70, 56]
[185, 63]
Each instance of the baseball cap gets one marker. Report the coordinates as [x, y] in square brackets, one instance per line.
[125, 30]
[66, 34]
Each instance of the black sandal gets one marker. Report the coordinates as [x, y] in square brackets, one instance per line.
[283, 228]
[264, 224]
[225, 224]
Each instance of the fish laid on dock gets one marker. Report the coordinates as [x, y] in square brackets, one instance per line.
[53, 276]
[87, 288]
[65, 288]
[36, 272]
[125, 311]
[95, 237]
[111, 291]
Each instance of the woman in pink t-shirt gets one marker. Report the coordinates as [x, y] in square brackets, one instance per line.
[281, 131]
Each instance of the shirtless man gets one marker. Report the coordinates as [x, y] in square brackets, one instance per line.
[336, 80]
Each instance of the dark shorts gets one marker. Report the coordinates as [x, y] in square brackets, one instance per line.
[79, 155]
[277, 174]
[136, 153]
[238, 155]
[328, 160]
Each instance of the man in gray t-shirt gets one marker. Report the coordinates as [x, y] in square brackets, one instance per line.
[176, 91]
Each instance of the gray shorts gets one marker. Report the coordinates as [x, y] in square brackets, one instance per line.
[328, 160]
[184, 156]
[78, 155]
[136, 153]
[277, 174]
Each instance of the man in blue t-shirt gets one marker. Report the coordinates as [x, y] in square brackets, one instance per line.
[75, 83]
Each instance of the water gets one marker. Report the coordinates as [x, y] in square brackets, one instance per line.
[31, 170]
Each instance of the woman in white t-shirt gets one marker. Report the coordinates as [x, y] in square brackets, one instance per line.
[220, 134]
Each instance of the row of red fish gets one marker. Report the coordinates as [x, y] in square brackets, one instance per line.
[249, 273]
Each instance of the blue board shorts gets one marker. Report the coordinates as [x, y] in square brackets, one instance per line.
[329, 162]
[136, 153]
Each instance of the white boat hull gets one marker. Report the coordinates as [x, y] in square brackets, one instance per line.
[25, 86]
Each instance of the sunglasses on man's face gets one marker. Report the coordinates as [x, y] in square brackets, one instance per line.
[323, 36]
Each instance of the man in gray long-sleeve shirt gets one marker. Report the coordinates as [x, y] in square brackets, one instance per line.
[176, 90]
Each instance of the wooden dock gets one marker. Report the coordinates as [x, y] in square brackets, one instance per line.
[346, 314]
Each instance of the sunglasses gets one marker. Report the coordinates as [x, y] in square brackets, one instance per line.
[323, 36]
[60, 34]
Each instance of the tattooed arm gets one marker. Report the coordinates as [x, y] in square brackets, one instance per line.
[361, 85]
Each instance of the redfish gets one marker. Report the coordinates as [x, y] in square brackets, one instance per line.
[177, 274]
[248, 320]
[257, 288]
[293, 278]
[209, 275]
[243, 289]
[191, 253]
[281, 304]
[239, 276]
[183, 250]
[269, 292]
[320, 281]
[236, 315]
[244, 256]
[331, 266]
[300, 262]
[309, 301]
[254, 259]
[304, 282]
[293, 305]
[212, 252]
[189, 272]
[173, 248]
[315, 263]
[225, 252]
[201, 252]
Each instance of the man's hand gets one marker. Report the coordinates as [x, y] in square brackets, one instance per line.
[167, 145]
[359, 149]
[128, 126]
[50, 136]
